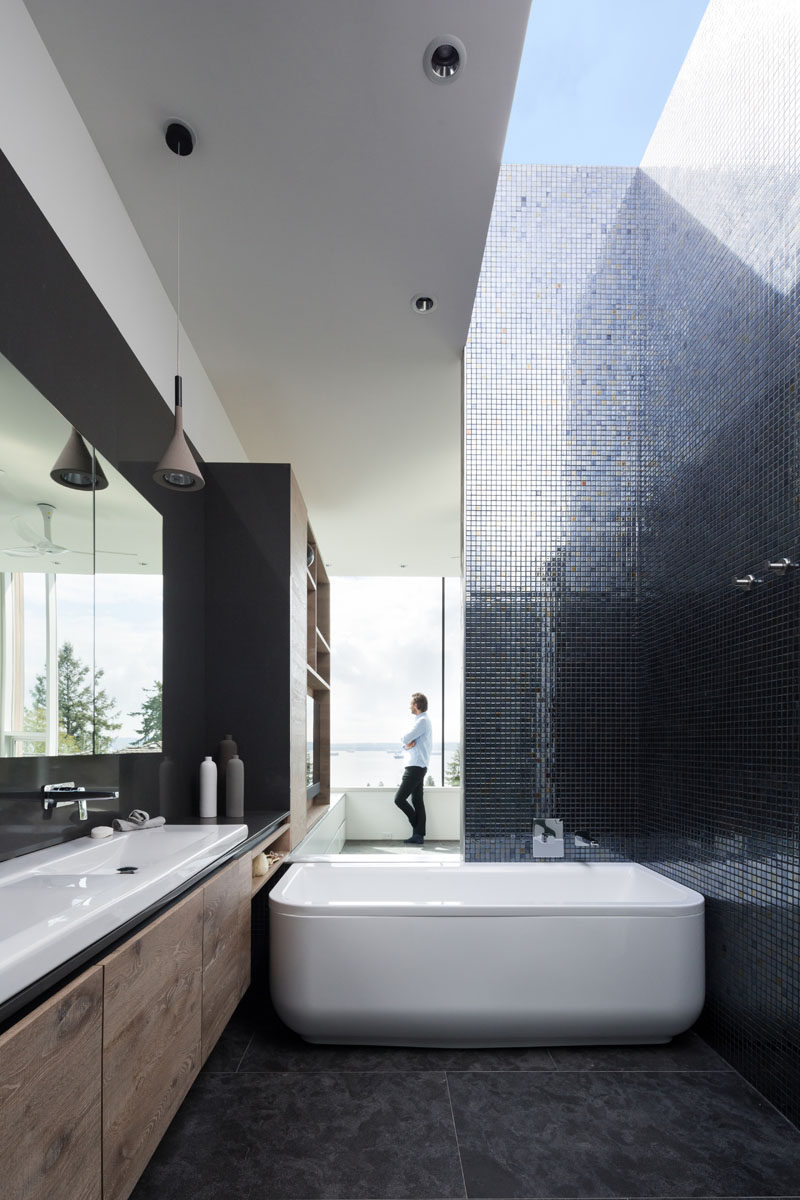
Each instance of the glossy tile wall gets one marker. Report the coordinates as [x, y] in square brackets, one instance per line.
[615, 673]
[551, 427]
[720, 662]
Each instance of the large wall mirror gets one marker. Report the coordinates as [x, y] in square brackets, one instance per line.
[80, 594]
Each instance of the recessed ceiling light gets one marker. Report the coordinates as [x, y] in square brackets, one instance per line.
[423, 304]
[444, 59]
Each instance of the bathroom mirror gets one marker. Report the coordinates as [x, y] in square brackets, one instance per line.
[80, 594]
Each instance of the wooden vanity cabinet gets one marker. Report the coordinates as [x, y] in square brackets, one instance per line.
[152, 1019]
[226, 947]
[50, 1097]
[90, 1080]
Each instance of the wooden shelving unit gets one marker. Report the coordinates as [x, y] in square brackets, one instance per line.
[310, 655]
[318, 676]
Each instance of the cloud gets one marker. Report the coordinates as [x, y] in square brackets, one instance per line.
[386, 641]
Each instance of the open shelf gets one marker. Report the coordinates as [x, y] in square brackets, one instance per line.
[322, 642]
[278, 843]
[316, 682]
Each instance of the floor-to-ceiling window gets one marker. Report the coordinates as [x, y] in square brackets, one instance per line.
[392, 637]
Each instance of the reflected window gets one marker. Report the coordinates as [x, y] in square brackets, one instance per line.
[80, 592]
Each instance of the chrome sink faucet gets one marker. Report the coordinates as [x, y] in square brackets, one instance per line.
[51, 792]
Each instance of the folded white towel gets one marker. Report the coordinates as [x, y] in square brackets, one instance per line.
[138, 819]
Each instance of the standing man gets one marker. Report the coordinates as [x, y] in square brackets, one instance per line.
[417, 744]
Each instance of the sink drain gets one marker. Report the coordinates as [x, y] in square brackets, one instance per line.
[126, 870]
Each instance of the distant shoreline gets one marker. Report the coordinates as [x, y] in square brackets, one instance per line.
[391, 747]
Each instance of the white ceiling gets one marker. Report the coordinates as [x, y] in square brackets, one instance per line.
[331, 182]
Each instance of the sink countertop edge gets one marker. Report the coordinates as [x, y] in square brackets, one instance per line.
[259, 826]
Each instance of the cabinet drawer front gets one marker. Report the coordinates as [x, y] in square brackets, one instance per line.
[226, 947]
[151, 1039]
[50, 1097]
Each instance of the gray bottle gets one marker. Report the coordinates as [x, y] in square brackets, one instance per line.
[234, 788]
[225, 752]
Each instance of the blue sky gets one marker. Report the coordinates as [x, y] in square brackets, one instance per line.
[594, 77]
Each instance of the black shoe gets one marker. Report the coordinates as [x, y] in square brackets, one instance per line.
[416, 839]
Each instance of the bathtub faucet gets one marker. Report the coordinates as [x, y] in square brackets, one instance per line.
[548, 837]
[584, 840]
[548, 831]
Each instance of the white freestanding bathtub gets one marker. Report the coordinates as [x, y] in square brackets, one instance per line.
[485, 954]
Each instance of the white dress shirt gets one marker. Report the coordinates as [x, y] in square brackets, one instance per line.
[422, 737]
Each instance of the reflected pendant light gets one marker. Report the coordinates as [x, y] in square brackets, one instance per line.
[76, 467]
[177, 469]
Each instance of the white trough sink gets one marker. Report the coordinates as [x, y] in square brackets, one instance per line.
[55, 903]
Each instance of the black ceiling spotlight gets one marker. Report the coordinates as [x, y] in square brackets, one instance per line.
[423, 304]
[444, 59]
[77, 467]
[177, 469]
[179, 138]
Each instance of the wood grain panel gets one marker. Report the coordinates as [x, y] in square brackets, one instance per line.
[50, 1066]
[226, 947]
[298, 645]
[325, 748]
[151, 1042]
[323, 616]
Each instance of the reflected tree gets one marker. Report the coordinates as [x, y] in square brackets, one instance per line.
[150, 715]
[86, 716]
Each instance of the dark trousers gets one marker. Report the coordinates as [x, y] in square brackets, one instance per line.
[411, 785]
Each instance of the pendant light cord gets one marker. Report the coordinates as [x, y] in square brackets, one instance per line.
[178, 268]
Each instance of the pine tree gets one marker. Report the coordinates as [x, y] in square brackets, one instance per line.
[151, 714]
[104, 712]
[452, 771]
[74, 698]
[86, 717]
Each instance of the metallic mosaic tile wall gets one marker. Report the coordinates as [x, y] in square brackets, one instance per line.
[632, 447]
[551, 429]
[720, 663]
[719, 774]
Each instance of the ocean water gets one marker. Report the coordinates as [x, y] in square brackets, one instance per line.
[375, 768]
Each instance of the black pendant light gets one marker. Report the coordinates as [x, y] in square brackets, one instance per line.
[177, 469]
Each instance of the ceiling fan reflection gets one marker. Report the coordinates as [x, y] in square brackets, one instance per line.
[42, 546]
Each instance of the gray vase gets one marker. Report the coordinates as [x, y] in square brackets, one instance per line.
[234, 788]
[225, 752]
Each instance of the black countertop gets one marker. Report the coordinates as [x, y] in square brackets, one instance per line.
[259, 824]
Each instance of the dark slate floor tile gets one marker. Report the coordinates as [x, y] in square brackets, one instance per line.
[309, 1136]
[613, 1134]
[687, 1052]
[288, 1052]
[230, 1049]
[275, 1047]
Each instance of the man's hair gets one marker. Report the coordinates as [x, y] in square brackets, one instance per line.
[420, 701]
